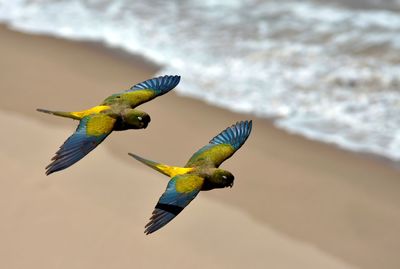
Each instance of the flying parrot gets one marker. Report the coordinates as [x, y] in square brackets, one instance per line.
[201, 173]
[116, 113]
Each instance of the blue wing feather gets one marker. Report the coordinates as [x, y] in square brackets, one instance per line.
[161, 219]
[235, 135]
[77, 146]
[170, 204]
[159, 85]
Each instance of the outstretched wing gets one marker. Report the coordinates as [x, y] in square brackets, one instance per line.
[91, 131]
[148, 90]
[221, 147]
[181, 190]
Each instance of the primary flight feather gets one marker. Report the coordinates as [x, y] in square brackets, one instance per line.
[201, 173]
[116, 113]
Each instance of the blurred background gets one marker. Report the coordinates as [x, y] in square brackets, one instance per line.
[317, 184]
[327, 70]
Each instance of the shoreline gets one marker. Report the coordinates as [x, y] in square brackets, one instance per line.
[316, 193]
[135, 60]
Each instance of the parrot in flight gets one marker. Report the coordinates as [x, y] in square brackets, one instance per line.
[116, 113]
[201, 173]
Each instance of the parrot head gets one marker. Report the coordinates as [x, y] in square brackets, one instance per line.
[135, 119]
[221, 178]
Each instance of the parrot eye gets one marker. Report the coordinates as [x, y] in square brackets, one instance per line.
[224, 177]
[140, 118]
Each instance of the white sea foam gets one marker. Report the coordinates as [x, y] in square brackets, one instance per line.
[325, 71]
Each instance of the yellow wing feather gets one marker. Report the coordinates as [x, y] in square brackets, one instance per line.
[138, 97]
[188, 184]
[100, 125]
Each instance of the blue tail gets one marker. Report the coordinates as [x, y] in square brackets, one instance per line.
[235, 135]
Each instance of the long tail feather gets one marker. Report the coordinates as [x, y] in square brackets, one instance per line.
[59, 113]
[162, 168]
[167, 170]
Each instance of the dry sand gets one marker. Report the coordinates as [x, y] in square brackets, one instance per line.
[295, 204]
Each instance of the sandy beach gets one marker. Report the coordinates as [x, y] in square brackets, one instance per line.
[296, 203]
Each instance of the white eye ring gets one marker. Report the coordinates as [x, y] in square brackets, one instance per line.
[224, 177]
[140, 118]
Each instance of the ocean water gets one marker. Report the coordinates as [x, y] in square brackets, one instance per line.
[328, 70]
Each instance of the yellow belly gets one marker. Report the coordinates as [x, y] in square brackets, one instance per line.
[173, 170]
[93, 110]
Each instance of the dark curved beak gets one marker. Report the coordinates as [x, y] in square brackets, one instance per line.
[147, 120]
